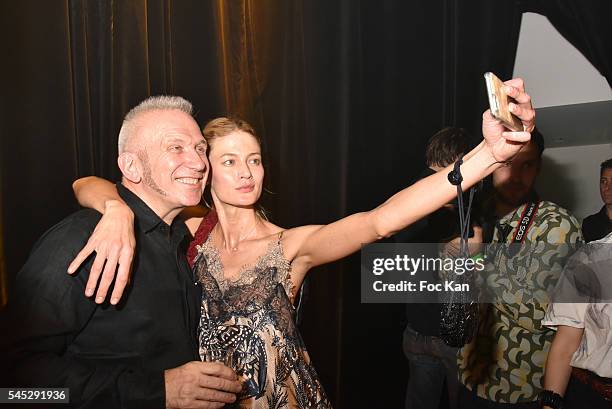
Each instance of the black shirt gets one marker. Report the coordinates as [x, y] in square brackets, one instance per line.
[109, 356]
[596, 226]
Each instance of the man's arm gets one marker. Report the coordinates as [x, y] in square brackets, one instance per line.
[558, 369]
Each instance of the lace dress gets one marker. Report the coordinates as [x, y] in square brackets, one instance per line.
[249, 324]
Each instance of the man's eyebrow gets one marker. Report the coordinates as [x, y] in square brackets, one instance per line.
[173, 138]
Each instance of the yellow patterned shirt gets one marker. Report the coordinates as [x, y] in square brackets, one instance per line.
[505, 361]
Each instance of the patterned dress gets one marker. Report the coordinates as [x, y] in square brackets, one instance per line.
[249, 324]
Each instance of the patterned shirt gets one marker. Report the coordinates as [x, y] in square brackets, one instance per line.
[505, 361]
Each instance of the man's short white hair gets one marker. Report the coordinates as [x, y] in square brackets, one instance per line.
[154, 103]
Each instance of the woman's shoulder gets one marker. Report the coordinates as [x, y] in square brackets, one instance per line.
[301, 230]
[293, 238]
[271, 231]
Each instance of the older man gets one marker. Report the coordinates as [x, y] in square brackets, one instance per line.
[141, 353]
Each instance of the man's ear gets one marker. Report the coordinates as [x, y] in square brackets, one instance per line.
[129, 163]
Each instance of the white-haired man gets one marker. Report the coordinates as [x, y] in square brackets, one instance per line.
[142, 352]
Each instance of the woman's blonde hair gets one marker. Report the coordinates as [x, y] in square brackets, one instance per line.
[222, 126]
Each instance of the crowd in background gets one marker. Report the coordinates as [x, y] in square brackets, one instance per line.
[528, 350]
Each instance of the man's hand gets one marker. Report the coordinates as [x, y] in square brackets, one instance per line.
[502, 143]
[113, 241]
[202, 385]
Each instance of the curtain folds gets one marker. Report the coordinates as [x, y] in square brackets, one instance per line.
[249, 38]
[3, 273]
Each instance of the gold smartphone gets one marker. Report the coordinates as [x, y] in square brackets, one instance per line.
[498, 102]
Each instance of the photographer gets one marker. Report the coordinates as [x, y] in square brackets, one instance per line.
[503, 366]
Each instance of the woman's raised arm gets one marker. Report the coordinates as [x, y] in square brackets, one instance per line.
[315, 245]
[113, 239]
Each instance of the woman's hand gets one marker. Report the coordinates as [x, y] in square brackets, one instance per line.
[114, 243]
[502, 143]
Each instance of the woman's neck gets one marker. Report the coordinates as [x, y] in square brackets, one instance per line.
[235, 226]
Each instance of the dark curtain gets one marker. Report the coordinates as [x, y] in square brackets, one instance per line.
[3, 273]
[585, 24]
[344, 94]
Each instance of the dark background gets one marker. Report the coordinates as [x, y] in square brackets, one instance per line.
[345, 94]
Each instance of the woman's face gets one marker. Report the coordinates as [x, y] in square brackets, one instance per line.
[237, 172]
